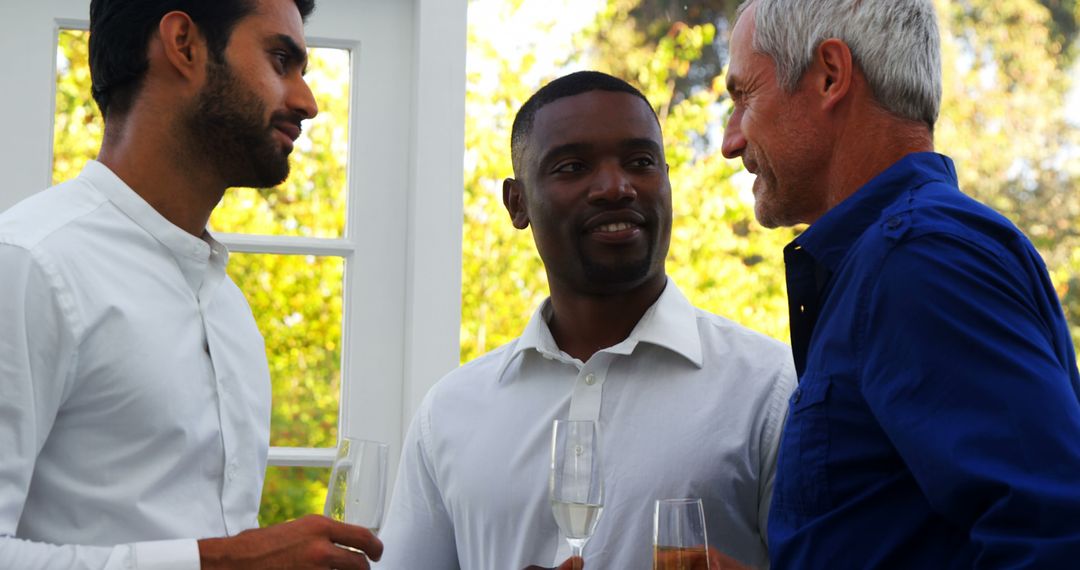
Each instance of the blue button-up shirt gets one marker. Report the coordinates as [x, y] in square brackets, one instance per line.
[937, 419]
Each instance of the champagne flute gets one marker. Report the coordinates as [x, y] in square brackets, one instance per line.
[576, 484]
[679, 539]
[357, 490]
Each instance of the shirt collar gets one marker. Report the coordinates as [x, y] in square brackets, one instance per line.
[671, 323]
[829, 238]
[142, 213]
[192, 253]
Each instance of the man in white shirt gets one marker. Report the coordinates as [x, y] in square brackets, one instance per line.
[688, 404]
[134, 389]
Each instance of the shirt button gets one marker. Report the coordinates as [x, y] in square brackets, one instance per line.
[893, 223]
[795, 397]
[590, 379]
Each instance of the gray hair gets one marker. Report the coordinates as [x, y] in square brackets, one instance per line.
[895, 43]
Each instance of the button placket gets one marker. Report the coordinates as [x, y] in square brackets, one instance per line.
[588, 389]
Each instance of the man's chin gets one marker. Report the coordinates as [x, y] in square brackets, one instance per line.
[270, 172]
[766, 220]
[765, 210]
[261, 179]
[621, 276]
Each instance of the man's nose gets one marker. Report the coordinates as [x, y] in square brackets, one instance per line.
[734, 142]
[611, 184]
[301, 99]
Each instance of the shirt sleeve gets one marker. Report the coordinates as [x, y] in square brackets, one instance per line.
[960, 370]
[38, 339]
[418, 532]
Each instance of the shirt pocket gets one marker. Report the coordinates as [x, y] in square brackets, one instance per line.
[801, 488]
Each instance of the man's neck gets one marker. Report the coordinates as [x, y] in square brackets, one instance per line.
[870, 145]
[152, 161]
[583, 324]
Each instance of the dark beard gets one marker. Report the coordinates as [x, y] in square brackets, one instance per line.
[628, 274]
[227, 125]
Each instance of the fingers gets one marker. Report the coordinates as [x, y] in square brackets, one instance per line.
[356, 537]
[574, 563]
[345, 558]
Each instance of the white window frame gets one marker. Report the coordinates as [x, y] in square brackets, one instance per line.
[402, 247]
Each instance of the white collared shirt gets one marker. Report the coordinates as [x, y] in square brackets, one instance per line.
[689, 405]
[134, 390]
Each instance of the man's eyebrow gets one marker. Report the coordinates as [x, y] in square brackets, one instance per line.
[569, 148]
[730, 84]
[642, 142]
[296, 53]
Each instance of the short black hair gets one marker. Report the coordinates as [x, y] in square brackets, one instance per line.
[121, 29]
[565, 86]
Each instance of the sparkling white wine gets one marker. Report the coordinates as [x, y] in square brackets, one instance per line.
[577, 520]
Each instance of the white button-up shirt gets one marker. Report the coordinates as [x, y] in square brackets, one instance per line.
[132, 380]
[689, 405]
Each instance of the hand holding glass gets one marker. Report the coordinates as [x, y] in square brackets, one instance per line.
[576, 484]
[358, 483]
[679, 541]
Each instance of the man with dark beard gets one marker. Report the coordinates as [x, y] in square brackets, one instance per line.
[134, 389]
[688, 404]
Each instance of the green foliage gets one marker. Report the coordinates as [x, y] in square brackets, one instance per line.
[720, 256]
[1005, 78]
[502, 277]
[1003, 121]
[77, 127]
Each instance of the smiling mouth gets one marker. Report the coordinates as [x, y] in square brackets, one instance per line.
[289, 130]
[612, 227]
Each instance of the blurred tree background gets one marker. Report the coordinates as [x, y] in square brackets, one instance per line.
[1004, 121]
[1007, 70]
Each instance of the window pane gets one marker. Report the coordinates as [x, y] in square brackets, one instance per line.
[297, 300]
[78, 129]
[292, 492]
[311, 203]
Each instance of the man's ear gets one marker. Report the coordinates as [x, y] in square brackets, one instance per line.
[833, 71]
[514, 200]
[181, 45]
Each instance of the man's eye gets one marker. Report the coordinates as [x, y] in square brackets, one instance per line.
[567, 167]
[281, 60]
[642, 162]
